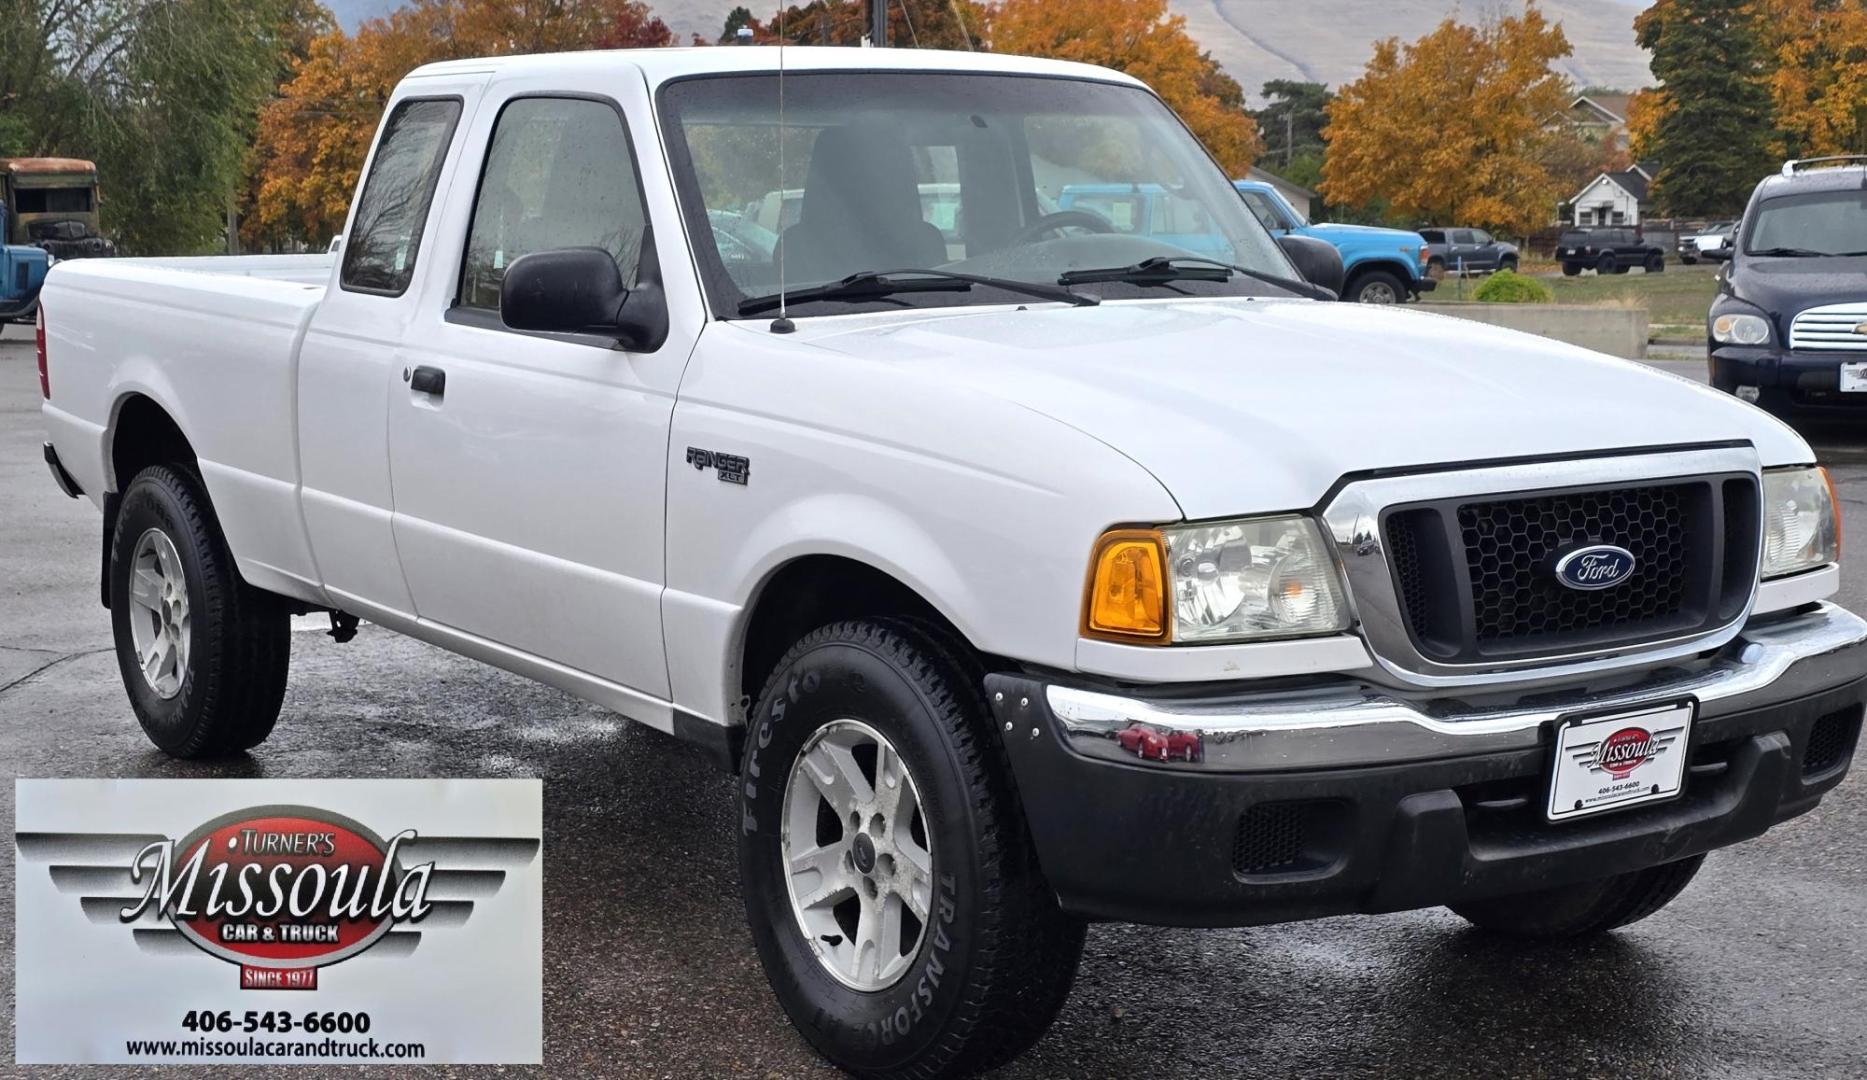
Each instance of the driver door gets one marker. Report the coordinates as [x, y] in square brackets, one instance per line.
[530, 469]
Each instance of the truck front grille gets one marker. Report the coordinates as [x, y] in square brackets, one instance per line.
[1829, 328]
[1476, 580]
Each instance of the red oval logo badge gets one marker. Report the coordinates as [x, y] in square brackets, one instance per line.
[1624, 751]
[288, 887]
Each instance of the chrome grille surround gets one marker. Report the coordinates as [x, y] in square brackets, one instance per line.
[1830, 328]
[1352, 518]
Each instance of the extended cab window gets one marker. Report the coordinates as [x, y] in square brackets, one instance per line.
[558, 174]
[379, 253]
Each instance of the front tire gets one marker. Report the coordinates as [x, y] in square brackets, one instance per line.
[1507, 264]
[202, 654]
[1584, 909]
[1606, 265]
[860, 719]
[1656, 264]
[1378, 287]
[1570, 269]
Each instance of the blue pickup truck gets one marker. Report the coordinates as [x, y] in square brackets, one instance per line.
[22, 272]
[1382, 266]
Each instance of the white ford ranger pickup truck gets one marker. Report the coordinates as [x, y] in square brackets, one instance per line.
[1027, 568]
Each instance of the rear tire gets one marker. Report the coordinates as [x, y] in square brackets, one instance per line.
[202, 653]
[1584, 909]
[1606, 265]
[995, 958]
[1689, 260]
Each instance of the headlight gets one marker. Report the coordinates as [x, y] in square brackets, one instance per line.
[1740, 329]
[1800, 528]
[1215, 582]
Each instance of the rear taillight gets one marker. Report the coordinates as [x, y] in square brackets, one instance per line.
[45, 377]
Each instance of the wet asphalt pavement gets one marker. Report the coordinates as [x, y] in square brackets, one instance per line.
[1758, 970]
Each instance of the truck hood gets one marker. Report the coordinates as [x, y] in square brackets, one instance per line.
[1257, 405]
[1325, 230]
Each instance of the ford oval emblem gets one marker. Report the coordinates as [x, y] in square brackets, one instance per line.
[1598, 566]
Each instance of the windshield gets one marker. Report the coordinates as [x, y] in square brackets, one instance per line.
[1003, 176]
[1812, 225]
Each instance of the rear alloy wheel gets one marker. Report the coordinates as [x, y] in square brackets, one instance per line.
[1378, 287]
[890, 883]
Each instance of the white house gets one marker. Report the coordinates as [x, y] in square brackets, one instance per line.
[1613, 198]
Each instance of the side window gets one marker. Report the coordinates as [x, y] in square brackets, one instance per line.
[1479, 236]
[379, 253]
[1463, 236]
[1266, 213]
[558, 174]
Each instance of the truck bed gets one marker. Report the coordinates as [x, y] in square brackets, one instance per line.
[214, 341]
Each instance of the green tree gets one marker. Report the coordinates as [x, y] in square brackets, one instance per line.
[1713, 139]
[1292, 120]
[162, 94]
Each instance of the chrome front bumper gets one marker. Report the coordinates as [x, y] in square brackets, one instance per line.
[1343, 725]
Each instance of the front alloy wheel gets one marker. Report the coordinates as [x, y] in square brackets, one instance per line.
[854, 839]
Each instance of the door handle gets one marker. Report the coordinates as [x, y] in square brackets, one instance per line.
[428, 380]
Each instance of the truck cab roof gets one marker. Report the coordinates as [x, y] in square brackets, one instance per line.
[659, 66]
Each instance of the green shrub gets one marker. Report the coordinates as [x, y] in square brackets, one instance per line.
[1510, 287]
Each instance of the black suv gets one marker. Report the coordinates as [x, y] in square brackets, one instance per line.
[1788, 329]
[1611, 250]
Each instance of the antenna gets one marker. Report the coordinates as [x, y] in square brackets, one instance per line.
[782, 324]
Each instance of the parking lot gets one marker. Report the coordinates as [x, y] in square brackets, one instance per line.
[1759, 970]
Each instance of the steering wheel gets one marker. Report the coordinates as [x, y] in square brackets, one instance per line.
[1063, 219]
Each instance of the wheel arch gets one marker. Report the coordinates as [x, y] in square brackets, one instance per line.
[143, 432]
[811, 590]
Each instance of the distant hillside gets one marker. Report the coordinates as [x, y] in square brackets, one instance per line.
[1330, 41]
[1257, 40]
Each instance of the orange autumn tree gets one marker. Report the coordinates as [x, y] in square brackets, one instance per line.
[1817, 53]
[1644, 110]
[1138, 37]
[312, 138]
[1454, 127]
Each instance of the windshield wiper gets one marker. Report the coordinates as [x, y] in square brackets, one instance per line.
[1791, 253]
[1166, 269]
[876, 284]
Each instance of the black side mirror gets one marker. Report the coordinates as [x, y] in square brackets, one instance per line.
[1317, 260]
[580, 291]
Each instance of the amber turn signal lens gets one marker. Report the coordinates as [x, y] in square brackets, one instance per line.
[1128, 587]
[1834, 499]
